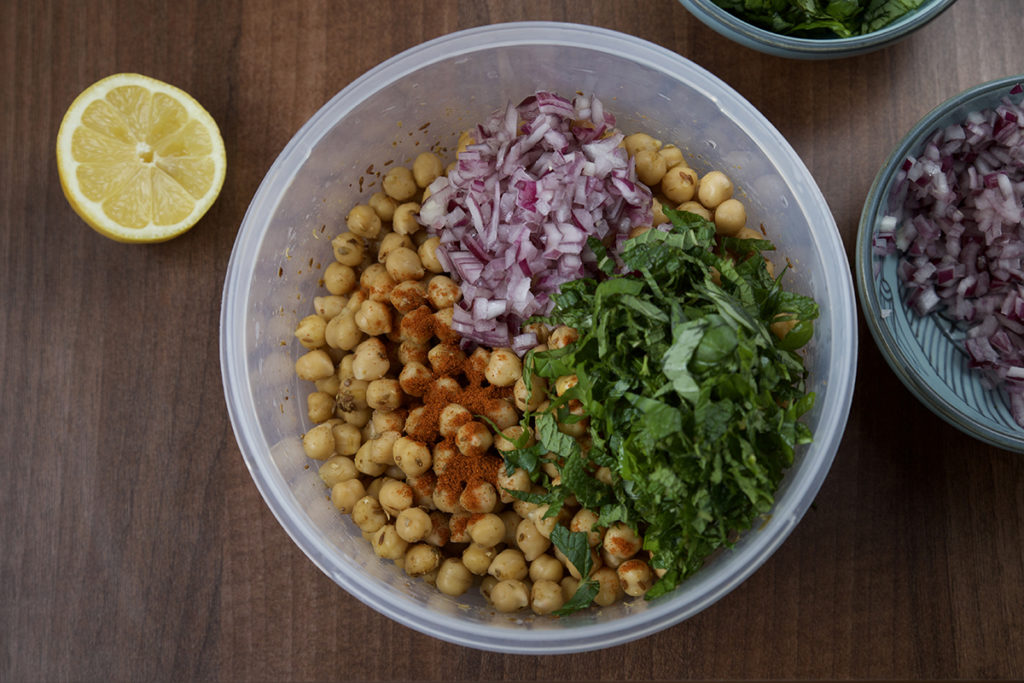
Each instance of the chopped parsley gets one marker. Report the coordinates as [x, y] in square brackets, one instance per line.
[820, 18]
[693, 403]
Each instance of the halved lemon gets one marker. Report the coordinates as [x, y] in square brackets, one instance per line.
[139, 160]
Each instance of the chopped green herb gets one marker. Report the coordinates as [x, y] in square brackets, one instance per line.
[693, 403]
[820, 18]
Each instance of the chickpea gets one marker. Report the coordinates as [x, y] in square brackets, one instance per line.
[352, 394]
[404, 264]
[576, 423]
[574, 572]
[638, 230]
[546, 524]
[715, 188]
[658, 212]
[465, 140]
[337, 468]
[510, 596]
[377, 283]
[395, 496]
[638, 141]
[546, 597]
[502, 413]
[318, 442]
[621, 541]
[486, 530]
[382, 205]
[672, 155]
[446, 500]
[478, 558]
[410, 351]
[508, 564]
[679, 184]
[373, 488]
[310, 331]
[503, 368]
[365, 463]
[451, 417]
[428, 255]
[342, 332]
[426, 168]
[507, 439]
[487, 585]
[473, 438]
[319, 406]
[569, 585]
[562, 336]
[368, 515]
[382, 448]
[530, 541]
[358, 417]
[565, 383]
[442, 292]
[650, 167]
[457, 525]
[479, 497]
[635, 577]
[314, 365]
[749, 234]
[511, 520]
[585, 520]
[415, 378]
[328, 385]
[363, 221]
[609, 590]
[373, 318]
[423, 489]
[399, 184]
[730, 217]
[389, 545]
[519, 480]
[346, 493]
[389, 242]
[347, 439]
[384, 394]
[546, 568]
[439, 533]
[697, 208]
[348, 249]
[444, 358]
[371, 360]
[413, 457]
[421, 559]
[408, 295]
[339, 279]
[404, 221]
[329, 306]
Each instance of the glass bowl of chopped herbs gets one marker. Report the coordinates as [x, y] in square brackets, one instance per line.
[816, 29]
[687, 320]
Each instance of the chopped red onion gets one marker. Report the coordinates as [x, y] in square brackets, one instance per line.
[515, 213]
[957, 225]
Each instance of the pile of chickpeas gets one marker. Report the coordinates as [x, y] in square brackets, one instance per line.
[372, 355]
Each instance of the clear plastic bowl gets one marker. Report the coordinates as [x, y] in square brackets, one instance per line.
[450, 83]
[748, 35]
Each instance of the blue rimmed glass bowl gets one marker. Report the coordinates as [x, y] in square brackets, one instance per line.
[762, 40]
[927, 353]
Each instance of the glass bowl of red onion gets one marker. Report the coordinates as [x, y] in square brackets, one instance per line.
[940, 261]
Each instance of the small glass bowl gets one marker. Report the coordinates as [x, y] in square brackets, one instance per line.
[762, 40]
[926, 353]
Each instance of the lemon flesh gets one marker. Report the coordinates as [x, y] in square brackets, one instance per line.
[139, 160]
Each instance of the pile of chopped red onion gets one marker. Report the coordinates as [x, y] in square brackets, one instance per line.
[957, 225]
[515, 213]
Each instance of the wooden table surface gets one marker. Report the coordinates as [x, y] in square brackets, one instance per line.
[133, 543]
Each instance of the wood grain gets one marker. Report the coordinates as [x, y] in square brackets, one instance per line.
[133, 544]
